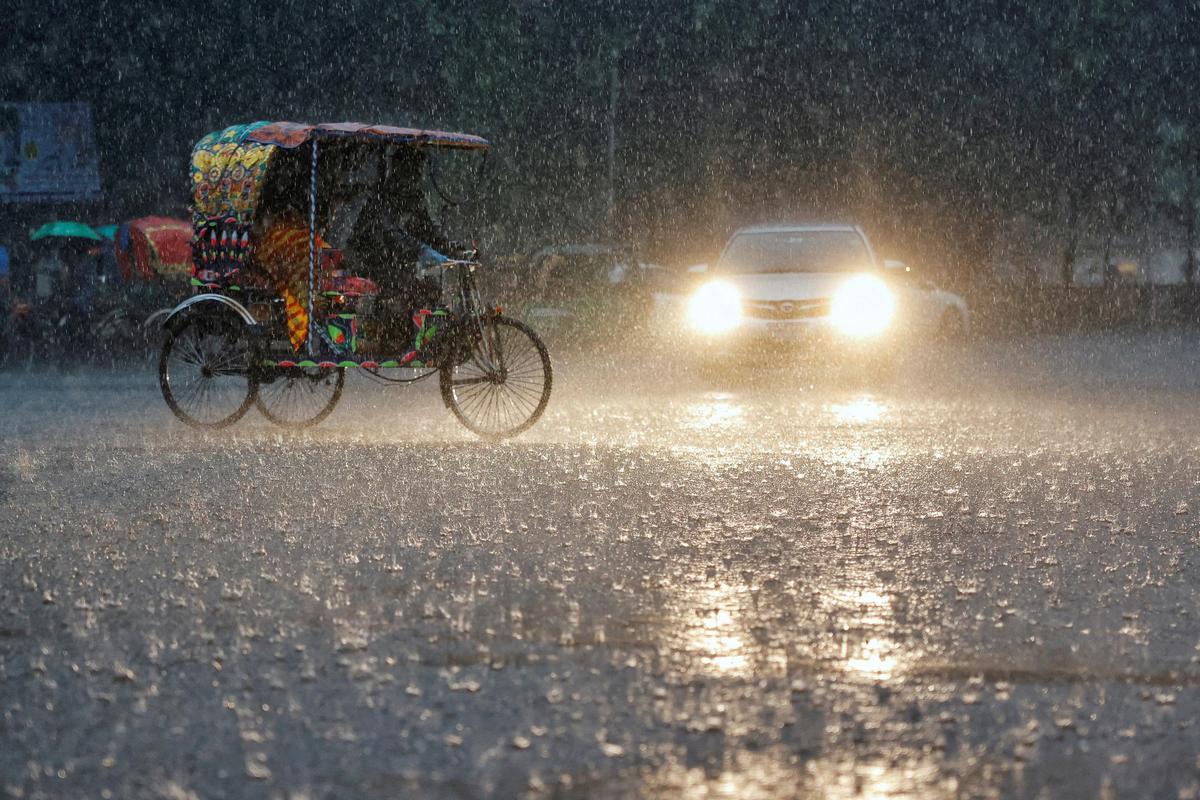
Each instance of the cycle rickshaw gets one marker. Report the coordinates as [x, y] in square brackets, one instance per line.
[286, 344]
[153, 259]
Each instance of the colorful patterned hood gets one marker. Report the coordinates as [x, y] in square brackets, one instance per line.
[230, 166]
[228, 171]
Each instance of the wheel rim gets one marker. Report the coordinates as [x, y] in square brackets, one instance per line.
[504, 386]
[204, 372]
[296, 397]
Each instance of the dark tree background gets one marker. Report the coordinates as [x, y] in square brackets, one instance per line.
[668, 123]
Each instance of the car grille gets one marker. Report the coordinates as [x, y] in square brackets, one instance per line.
[788, 309]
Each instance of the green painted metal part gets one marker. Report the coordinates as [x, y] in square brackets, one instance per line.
[392, 364]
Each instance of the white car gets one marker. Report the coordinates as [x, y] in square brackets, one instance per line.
[814, 284]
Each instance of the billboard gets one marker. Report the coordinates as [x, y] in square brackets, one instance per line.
[47, 153]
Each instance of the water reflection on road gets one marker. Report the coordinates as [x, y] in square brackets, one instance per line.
[715, 412]
[730, 635]
[865, 651]
[661, 590]
[716, 635]
[746, 654]
[860, 409]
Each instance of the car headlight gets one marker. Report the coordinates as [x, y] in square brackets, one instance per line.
[863, 306]
[716, 307]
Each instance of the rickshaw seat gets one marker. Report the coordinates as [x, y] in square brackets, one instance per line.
[333, 277]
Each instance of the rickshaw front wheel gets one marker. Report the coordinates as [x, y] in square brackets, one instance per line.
[204, 370]
[502, 387]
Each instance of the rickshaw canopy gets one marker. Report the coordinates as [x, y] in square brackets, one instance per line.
[293, 134]
[229, 168]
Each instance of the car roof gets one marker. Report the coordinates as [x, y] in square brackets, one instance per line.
[798, 227]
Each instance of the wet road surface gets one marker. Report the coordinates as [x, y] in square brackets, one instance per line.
[976, 579]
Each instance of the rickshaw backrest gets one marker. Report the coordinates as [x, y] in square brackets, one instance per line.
[228, 172]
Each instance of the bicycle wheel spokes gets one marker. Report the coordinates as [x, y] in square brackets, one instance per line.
[503, 387]
[296, 397]
[204, 371]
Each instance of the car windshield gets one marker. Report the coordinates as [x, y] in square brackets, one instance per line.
[796, 251]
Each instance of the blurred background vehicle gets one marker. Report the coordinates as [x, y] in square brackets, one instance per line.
[929, 309]
[587, 293]
[154, 255]
[96, 295]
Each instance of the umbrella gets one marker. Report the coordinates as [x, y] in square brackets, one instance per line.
[107, 231]
[66, 230]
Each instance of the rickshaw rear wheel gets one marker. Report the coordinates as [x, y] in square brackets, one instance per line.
[299, 397]
[502, 386]
[204, 370]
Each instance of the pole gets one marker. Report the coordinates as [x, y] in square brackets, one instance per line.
[312, 244]
[613, 88]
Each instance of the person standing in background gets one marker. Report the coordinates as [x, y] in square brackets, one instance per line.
[5, 280]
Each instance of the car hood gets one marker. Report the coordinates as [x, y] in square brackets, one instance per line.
[774, 287]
